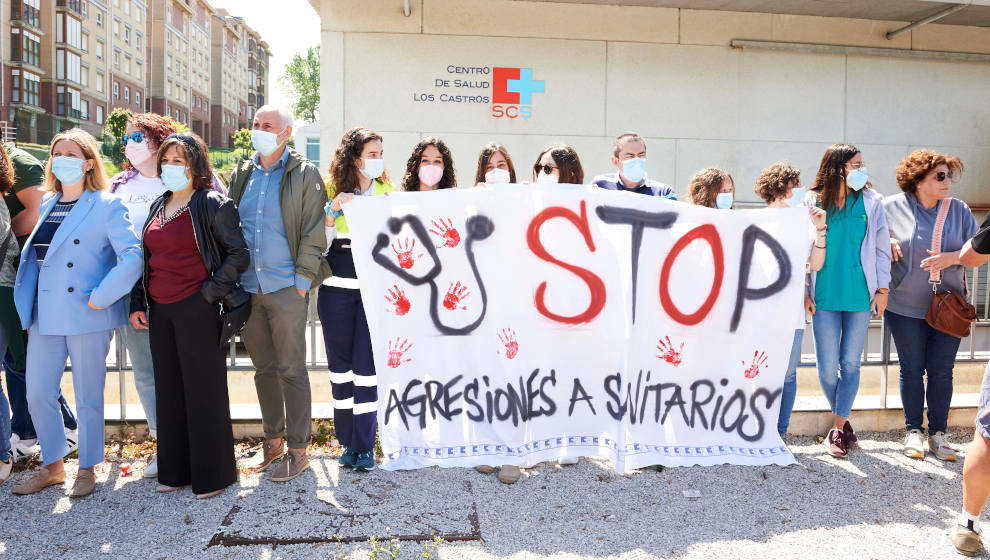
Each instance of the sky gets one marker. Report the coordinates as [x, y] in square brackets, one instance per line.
[288, 26]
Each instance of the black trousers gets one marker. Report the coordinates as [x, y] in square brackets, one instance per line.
[195, 437]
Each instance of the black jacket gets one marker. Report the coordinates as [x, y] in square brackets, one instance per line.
[217, 228]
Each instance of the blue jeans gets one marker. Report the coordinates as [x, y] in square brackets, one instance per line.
[839, 340]
[790, 384]
[920, 350]
[138, 345]
[4, 410]
[21, 423]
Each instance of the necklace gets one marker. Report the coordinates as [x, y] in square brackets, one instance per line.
[166, 218]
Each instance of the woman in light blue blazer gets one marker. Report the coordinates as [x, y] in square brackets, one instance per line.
[81, 259]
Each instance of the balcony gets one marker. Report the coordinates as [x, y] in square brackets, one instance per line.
[25, 15]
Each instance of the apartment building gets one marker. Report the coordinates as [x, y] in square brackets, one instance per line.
[69, 63]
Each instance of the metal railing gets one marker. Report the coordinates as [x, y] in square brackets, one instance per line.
[975, 348]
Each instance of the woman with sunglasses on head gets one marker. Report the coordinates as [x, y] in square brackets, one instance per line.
[558, 163]
[494, 166]
[925, 178]
[138, 186]
[358, 169]
[712, 188]
[430, 167]
[852, 284]
[80, 261]
[194, 253]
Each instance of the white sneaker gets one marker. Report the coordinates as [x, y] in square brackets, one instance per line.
[939, 445]
[72, 438]
[22, 449]
[914, 444]
[5, 468]
[569, 460]
[151, 471]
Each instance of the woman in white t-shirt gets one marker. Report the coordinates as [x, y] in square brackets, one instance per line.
[139, 186]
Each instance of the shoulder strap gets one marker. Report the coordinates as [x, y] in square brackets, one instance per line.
[943, 211]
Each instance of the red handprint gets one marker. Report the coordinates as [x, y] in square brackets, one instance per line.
[398, 298]
[667, 352]
[446, 230]
[396, 349]
[403, 252]
[455, 294]
[508, 339]
[759, 363]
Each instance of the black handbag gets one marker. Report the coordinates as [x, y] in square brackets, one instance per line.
[232, 320]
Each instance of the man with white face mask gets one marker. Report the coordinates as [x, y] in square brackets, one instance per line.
[280, 197]
[629, 158]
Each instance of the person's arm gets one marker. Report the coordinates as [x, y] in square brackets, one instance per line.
[878, 302]
[226, 229]
[313, 238]
[119, 280]
[968, 256]
[819, 221]
[23, 223]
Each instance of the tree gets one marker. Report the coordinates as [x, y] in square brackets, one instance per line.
[179, 127]
[242, 139]
[116, 123]
[301, 82]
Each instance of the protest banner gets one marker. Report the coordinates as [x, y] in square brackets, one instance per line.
[519, 324]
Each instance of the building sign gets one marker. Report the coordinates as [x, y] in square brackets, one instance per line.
[509, 91]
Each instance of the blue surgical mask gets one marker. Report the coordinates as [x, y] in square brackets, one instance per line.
[68, 170]
[856, 179]
[724, 201]
[174, 177]
[797, 197]
[265, 142]
[634, 169]
[373, 168]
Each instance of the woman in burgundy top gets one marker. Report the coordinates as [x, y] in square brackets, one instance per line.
[194, 256]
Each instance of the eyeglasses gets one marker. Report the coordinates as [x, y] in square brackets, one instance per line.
[941, 176]
[546, 169]
[137, 137]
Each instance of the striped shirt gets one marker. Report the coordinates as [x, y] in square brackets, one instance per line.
[46, 231]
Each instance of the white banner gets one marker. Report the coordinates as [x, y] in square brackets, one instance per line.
[520, 324]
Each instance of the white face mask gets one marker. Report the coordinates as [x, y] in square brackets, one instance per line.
[496, 176]
[797, 197]
[546, 178]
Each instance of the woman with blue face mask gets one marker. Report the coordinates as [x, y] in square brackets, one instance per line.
[852, 284]
[80, 261]
[780, 187]
[194, 253]
[358, 169]
[713, 188]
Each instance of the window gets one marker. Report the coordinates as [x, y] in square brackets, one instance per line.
[84, 107]
[313, 151]
[137, 98]
[139, 70]
[67, 65]
[67, 102]
[116, 90]
[99, 19]
[127, 95]
[99, 114]
[116, 28]
[84, 75]
[137, 40]
[85, 41]
[127, 33]
[26, 46]
[100, 79]
[169, 65]
[137, 13]
[25, 87]
[127, 7]
[116, 60]
[85, 9]
[99, 50]
[28, 11]
[170, 87]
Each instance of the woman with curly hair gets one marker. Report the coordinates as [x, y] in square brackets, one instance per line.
[851, 285]
[558, 164]
[713, 188]
[494, 166]
[925, 178]
[138, 186]
[780, 186]
[430, 167]
[8, 322]
[358, 169]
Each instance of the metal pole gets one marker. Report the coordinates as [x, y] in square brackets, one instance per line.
[885, 359]
[936, 16]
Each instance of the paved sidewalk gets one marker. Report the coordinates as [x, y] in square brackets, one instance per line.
[876, 504]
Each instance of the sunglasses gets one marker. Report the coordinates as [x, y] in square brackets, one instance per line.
[137, 137]
[547, 169]
[941, 176]
[186, 139]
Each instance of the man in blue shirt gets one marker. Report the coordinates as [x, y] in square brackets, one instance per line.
[280, 197]
[629, 158]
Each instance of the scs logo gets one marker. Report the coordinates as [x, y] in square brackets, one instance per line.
[512, 92]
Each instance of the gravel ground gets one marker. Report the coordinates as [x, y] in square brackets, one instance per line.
[876, 504]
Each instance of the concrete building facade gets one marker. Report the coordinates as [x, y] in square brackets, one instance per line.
[732, 86]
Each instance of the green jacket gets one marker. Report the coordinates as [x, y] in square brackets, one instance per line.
[302, 196]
